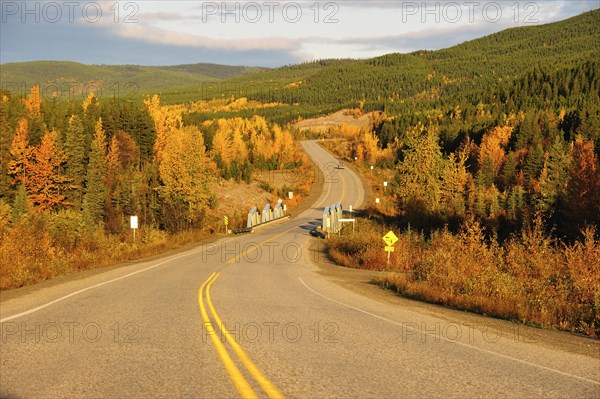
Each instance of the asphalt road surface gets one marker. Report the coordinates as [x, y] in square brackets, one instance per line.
[250, 316]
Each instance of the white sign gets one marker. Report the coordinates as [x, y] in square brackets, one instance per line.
[350, 208]
[377, 200]
[133, 221]
[384, 184]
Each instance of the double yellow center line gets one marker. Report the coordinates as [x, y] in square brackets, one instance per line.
[240, 382]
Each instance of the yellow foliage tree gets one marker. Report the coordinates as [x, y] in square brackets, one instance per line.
[492, 145]
[20, 153]
[238, 147]
[371, 145]
[33, 103]
[166, 121]
[221, 147]
[185, 172]
[89, 100]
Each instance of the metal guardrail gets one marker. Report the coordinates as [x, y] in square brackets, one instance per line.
[267, 215]
[331, 218]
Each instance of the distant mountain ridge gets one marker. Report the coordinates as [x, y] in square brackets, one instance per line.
[142, 79]
[469, 68]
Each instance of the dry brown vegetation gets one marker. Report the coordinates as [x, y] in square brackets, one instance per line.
[531, 278]
[57, 244]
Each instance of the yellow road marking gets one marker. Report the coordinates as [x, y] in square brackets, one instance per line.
[269, 388]
[234, 372]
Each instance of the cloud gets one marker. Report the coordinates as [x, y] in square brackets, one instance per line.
[163, 16]
[155, 35]
[177, 32]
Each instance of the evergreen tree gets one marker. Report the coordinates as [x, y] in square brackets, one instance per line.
[515, 202]
[21, 204]
[95, 193]
[6, 136]
[75, 153]
[486, 174]
[554, 175]
[534, 163]
[509, 171]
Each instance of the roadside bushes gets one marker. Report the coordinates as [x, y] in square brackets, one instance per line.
[44, 245]
[531, 278]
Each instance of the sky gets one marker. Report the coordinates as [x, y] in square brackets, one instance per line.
[254, 33]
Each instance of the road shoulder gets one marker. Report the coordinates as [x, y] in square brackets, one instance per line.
[362, 283]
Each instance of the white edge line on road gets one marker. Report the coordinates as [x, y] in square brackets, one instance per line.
[95, 286]
[453, 341]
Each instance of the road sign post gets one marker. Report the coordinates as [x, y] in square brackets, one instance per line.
[133, 222]
[390, 239]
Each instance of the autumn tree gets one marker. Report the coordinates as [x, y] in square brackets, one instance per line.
[184, 173]
[33, 105]
[166, 121]
[20, 153]
[33, 102]
[90, 100]
[582, 202]
[492, 147]
[371, 146]
[45, 182]
[221, 148]
[239, 149]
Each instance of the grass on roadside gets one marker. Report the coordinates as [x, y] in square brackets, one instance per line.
[531, 278]
[56, 245]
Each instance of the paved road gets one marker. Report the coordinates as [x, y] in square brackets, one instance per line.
[250, 316]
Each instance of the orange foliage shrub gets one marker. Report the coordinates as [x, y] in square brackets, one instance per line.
[532, 278]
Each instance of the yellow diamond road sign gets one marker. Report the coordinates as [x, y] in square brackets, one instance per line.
[390, 238]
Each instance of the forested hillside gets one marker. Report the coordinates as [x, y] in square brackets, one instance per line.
[479, 71]
[72, 80]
